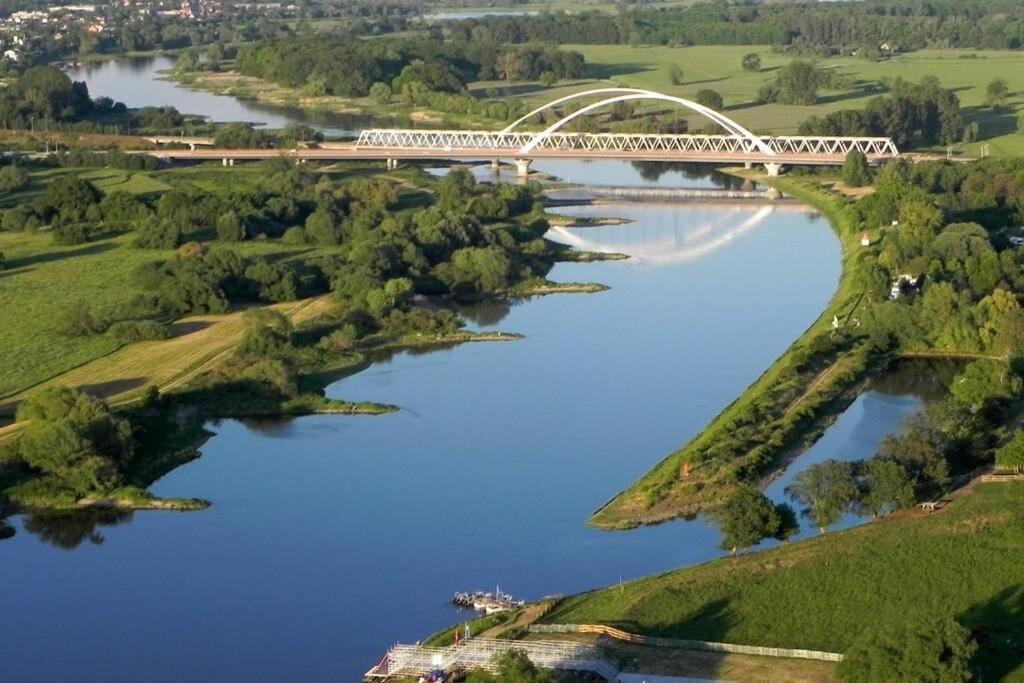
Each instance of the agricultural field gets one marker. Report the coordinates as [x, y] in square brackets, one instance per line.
[822, 593]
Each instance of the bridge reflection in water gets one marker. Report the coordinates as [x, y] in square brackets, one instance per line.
[663, 233]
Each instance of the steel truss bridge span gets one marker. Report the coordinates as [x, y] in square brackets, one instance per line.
[653, 146]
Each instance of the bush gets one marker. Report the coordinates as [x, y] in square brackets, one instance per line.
[230, 227]
[13, 178]
[928, 650]
[67, 234]
[139, 330]
[158, 234]
[751, 62]
[76, 319]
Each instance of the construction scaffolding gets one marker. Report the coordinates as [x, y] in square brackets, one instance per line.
[481, 652]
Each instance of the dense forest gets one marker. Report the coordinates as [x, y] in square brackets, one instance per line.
[340, 65]
[818, 28]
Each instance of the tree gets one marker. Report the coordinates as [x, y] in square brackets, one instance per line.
[886, 487]
[856, 172]
[709, 98]
[230, 227]
[1011, 456]
[75, 438]
[921, 448]
[826, 489]
[798, 83]
[746, 518]
[513, 667]
[983, 381]
[13, 178]
[936, 650]
[322, 229]
[675, 74]
[751, 62]
[380, 92]
[996, 93]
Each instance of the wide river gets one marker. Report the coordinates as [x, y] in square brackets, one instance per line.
[330, 538]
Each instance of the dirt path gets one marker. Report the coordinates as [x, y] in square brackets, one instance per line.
[525, 618]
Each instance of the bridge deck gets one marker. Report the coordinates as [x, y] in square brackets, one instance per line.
[466, 154]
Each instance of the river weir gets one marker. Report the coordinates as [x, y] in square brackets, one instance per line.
[332, 537]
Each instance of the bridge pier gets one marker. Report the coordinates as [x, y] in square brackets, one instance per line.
[523, 168]
[495, 164]
[227, 162]
[774, 170]
[392, 164]
[191, 146]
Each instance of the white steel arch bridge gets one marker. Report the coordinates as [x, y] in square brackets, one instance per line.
[736, 145]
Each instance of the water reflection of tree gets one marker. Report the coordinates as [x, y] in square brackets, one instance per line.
[653, 170]
[486, 313]
[68, 530]
[6, 530]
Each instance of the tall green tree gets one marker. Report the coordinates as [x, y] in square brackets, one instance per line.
[827, 490]
[887, 486]
[996, 93]
[856, 172]
[747, 517]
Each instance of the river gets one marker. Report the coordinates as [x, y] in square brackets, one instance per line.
[332, 537]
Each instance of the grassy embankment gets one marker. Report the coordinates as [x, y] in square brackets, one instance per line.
[717, 67]
[824, 592]
[783, 411]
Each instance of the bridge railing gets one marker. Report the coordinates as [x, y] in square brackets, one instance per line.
[511, 142]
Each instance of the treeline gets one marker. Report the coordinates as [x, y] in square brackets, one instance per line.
[911, 114]
[329, 64]
[820, 28]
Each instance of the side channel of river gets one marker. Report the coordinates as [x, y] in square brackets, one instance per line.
[332, 537]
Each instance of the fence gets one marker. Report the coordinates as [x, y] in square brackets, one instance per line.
[682, 644]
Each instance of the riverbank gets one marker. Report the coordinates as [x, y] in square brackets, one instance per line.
[961, 560]
[782, 412]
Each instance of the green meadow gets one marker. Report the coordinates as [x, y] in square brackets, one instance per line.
[717, 67]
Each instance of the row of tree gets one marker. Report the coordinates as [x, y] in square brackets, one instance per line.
[331, 64]
[824, 28]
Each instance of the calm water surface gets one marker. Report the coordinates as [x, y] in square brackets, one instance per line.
[332, 537]
[138, 82]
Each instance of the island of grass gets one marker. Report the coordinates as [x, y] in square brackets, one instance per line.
[932, 281]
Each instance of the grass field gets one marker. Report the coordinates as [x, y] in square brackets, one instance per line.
[718, 68]
[41, 279]
[822, 593]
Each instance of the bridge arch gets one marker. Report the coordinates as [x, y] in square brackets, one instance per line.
[752, 141]
[575, 96]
